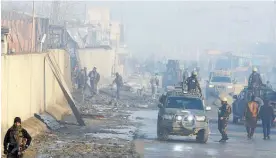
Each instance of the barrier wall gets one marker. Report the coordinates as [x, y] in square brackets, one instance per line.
[101, 58]
[29, 86]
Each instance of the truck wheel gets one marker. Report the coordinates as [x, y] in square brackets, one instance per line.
[235, 120]
[202, 136]
[162, 134]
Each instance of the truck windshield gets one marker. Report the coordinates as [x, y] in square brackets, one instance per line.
[184, 103]
[221, 79]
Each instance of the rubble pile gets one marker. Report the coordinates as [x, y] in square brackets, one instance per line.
[108, 132]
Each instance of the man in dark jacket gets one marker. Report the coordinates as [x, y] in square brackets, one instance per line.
[255, 82]
[16, 140]
[119, 83]
[193, 84]
[94, 80]
[266, 114]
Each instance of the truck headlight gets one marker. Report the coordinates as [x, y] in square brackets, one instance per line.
[211, 86]
[229, 86]
[178, 118]
[200, 118]
[168, 117]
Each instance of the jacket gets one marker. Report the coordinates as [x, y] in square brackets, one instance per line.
[10, 139]
[251, 109]
[225, 111]
[266, 113]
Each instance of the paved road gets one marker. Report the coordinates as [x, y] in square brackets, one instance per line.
[237, 147]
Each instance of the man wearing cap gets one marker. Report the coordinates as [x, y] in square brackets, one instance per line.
[193, 84]
[94, 80]
[255, 82]
[223, 117]
[14, 143]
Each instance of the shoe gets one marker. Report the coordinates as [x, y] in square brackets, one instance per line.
[268, 137]
[264, 138]
[226, 138]
[222, 140]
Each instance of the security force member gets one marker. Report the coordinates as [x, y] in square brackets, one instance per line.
[193, 84]
[16, 140]
[223, 117]
[266, 114]
[255, 81]
[250, 114]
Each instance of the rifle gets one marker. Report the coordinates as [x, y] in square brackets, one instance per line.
[19, 147]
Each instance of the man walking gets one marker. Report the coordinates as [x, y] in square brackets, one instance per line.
[119, 83]
[94, 80]
[250, 114]
[266, 114]
[154, 82]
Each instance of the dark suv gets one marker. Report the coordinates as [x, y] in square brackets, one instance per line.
[184, 115]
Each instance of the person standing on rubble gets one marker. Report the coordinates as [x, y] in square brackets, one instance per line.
[81, 79]
[94, 80]
[119, 83]
[85, 75]
[154, 82]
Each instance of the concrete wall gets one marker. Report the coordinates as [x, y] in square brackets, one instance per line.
[23, 92]
[103, 59]
[100, 58]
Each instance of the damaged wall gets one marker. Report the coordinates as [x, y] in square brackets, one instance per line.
[23, 90]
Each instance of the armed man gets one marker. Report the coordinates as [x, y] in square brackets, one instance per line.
[255, 82]
[223, 117]
[250, 114]
[193, 84]
[16, 140]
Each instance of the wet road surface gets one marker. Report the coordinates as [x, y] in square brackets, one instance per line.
[236, 147]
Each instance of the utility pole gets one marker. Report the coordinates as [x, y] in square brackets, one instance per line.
[55, 14]
[33, 28]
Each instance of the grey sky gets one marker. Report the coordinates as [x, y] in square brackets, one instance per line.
[156, 27]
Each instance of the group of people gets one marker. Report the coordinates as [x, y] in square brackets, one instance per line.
[94, 78]
[254, 110]
[81, 78]
[253, 113]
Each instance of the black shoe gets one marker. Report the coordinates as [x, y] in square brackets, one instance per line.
[226, 138]
[268, 137]
[222, 140]
[264, 138]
